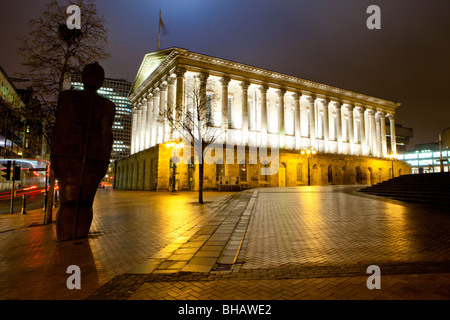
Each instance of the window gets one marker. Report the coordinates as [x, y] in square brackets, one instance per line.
[220, 170]
[242, 172]
[299, 172]
[330, 174]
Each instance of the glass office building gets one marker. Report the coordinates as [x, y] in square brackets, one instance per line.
[116, 91]
[427, 158]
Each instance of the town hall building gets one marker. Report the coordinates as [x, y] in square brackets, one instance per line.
[323, 135]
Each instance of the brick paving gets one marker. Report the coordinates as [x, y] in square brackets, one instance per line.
[269, 244]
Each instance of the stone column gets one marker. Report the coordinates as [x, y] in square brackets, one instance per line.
[338, 107]
[372, 136]
[245, 115]
[297, 120]
[364, 149]
[179, 100]
[170, 106]
[281, 93]
[378, 133]
[143, 124]
[351, 130]
[383, 134]
[225, 82]
[393, 137]
[148, 132]
[162, 112]
[139, 128]
[312, 122]
[155, 121]
[263, 90]
[134, 130]
[326, 125]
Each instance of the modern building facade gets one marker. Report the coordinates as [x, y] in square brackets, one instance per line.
[117, 91]
[11, 122]
[254, 108]
[429, 157]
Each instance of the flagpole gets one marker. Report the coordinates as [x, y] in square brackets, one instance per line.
[159, 30]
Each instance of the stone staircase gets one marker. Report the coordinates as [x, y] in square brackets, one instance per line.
[431, 190]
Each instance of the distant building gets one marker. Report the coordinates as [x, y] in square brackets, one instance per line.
[11, 121]
[116, 91]
[402, 137]
[426, 158]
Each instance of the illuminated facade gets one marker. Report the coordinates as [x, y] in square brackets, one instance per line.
[257, 108]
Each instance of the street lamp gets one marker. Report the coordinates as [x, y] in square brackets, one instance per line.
[175, 146]
[309, 151]
[392, 157]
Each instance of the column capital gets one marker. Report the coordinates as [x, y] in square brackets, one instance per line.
[170, 80]
[264, 88]
[245, 84]
[149, 95]
[380, 114]
[350, 107]
[179, 71]
[144, 100]
[337, 104]
[311, 99]
[203, 77]
[163, 86]
[370, 112]
[325, 101]
[297, 96]
[225, 80]
[391, 116]
[155, 91]
[281, 92]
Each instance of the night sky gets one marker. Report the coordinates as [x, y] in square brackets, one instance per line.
[326, 41]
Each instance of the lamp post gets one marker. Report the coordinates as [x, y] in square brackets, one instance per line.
[174, 146]
[309, 151]
[392, 157]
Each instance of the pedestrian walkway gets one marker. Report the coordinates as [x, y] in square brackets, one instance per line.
[295, 243]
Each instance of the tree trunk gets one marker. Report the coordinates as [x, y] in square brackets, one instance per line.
[200, 182]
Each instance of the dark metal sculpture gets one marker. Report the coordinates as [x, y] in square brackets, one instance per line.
[81, 147]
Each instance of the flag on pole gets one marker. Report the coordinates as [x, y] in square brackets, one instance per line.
[162, 27]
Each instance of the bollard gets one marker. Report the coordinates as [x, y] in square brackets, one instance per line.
[24, 204]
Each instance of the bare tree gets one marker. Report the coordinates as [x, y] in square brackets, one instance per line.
[195, 124]
[52, 52]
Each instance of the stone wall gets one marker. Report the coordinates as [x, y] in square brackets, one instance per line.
[151, 170]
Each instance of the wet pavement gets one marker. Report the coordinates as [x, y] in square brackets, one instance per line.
[275, 243]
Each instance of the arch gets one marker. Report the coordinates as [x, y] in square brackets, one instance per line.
[358, 175]
[380, 175]
[330, 175]
[370, 176]
[315, 175]
[399, 172]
